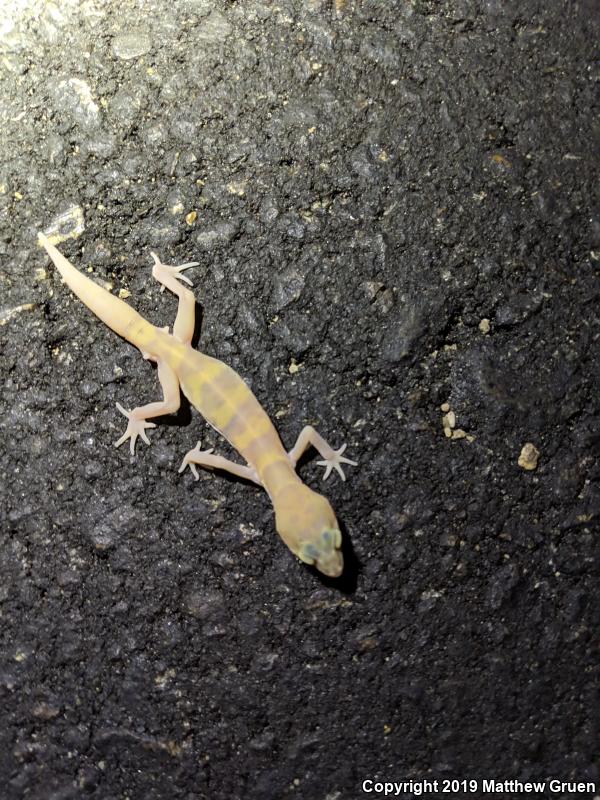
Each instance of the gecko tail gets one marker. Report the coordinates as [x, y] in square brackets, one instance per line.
[123, 319]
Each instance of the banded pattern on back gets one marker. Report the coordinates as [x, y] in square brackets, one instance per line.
[228, 404]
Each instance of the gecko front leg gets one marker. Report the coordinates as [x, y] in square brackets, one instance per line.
[205, 458]
[136, 419]
[332, 459]
[171, 277]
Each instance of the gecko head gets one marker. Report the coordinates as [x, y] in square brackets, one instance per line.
[324, 552]
[308, 526]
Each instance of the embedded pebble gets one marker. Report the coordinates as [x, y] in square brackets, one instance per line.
[208, 606]
[74, 98]
[288, 287]
[68, 225]
[45, 711]
[528, 459]
[448, 420]
[132, 44]
[214, 29]
[103, 536]
[296, 230]
[221, 234]
[502, 585]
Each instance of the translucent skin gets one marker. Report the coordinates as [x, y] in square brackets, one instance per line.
[304, 519]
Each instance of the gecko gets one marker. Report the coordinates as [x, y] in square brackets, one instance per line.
[304, 518]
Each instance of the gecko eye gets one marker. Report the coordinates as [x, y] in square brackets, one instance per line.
[308, 553]
[331, 537]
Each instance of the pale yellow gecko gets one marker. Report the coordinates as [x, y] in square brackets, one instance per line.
[304, 519]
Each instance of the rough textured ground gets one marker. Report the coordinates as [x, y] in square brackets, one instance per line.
[363, 184]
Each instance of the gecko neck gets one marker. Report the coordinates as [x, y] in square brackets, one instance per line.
[279, 481]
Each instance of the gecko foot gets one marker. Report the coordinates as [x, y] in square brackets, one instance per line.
[162, 271]
[335, 461]
[194, 457]
[135, 428]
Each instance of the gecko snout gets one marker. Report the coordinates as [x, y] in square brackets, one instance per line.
[324, 552]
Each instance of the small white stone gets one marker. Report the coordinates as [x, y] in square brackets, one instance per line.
[528, 459]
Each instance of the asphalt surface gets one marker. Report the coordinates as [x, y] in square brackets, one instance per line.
[394, 206]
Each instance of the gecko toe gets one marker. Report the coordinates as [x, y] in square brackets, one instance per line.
[335, 461]
[135, 428]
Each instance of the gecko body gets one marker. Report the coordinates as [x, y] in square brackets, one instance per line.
[304, 519]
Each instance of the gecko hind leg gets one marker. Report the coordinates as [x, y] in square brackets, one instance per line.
[332, 459]
[170, 277]
[137, 417]
[205, 458]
